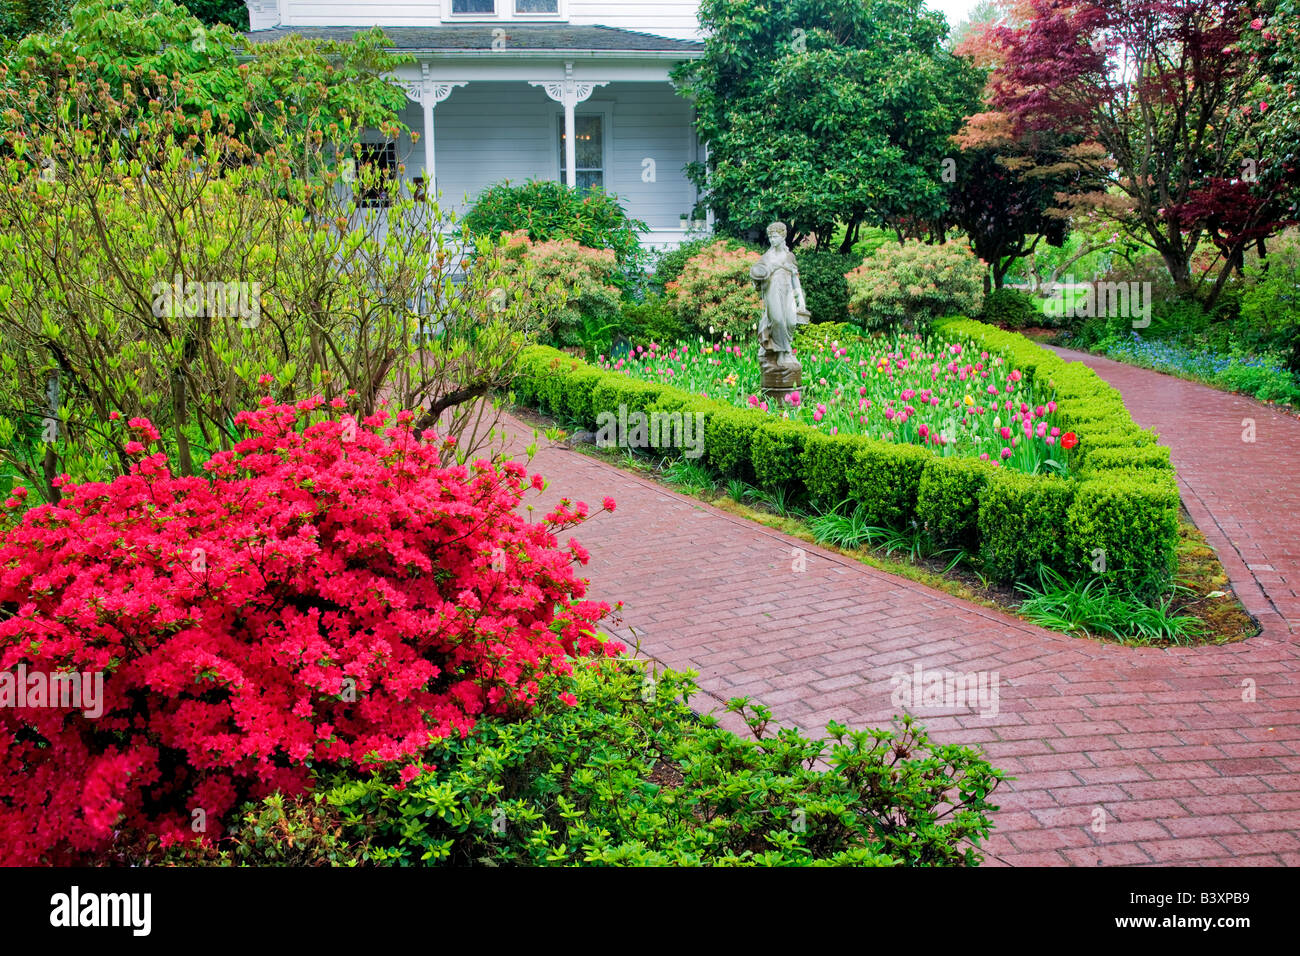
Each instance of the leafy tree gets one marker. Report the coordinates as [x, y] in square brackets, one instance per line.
[233, 13]
[21, 17]
[148, 46]
[820, 112]
[1166, 88]
[1010, 193]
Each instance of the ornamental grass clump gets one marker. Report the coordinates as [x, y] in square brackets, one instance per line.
[329, 596]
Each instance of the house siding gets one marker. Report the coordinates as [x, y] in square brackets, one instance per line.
[669, 18]
[486, 132]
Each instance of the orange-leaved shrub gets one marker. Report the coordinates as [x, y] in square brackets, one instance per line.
[912, 284]
[714, 292]
[566, 283]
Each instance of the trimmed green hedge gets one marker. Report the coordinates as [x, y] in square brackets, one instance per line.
[1121, 499]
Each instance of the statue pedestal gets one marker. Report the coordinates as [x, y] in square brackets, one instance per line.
[775, 397]
[780, 375]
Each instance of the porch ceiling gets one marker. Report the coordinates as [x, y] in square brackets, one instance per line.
[526, 38]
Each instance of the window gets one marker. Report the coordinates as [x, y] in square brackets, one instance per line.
[537, 6]
[461, 7]
[590, 146]
[383, 158]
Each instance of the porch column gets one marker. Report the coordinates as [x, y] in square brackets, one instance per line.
[429, 93]
[569, 93]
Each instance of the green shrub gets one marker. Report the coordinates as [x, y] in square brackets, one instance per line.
[729, 441]
[1022, 524]
[654, 320]
[1270, 301]
[1126, 526]
[1125, 455]
[1265, 384]
[776, 450]
[826, 290]
[548, 210]
[1010, 309]
[911, 285]
[629, 776]
[825, 467]
[948, 498]
[883, 479]
[575, 398]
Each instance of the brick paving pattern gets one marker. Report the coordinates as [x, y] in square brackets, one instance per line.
[1160, 741]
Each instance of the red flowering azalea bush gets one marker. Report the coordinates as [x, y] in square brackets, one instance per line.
[329, 596]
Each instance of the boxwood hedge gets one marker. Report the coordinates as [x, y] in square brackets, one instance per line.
[1120, 503]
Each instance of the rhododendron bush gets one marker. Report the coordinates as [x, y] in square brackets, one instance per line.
[559, 283]
[328, 596]
[913, 284]
[715, 293]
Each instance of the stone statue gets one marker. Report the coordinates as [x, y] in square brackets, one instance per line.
[777, 278]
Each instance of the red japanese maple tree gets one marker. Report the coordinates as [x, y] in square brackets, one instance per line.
[1166, 88]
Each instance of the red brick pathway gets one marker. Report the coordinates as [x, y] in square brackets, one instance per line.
[1243, 495]
[1156, 746]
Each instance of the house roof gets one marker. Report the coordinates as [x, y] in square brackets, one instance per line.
[521, 38]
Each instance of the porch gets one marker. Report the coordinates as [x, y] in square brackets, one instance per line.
[631, 136]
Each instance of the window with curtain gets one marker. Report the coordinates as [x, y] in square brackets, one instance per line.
[590, 147]
[537, 6]
[473, 6]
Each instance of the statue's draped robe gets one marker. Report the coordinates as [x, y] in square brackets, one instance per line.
[780, 311]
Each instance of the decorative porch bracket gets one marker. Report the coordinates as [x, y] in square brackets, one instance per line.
[569, 92]
[429, 93]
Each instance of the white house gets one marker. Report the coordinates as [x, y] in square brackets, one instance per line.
[571, 90]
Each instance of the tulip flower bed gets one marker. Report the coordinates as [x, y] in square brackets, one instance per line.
[947, 394]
